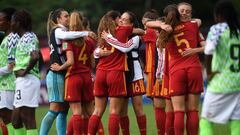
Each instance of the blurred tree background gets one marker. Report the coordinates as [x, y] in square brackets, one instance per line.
[95, 9]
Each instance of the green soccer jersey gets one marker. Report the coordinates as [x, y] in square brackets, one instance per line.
[226, 59]
[7, 79]
[27, 43]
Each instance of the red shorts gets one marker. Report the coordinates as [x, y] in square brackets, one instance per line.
[136, 88]
[165, 92]
[110, 83]
[186, 81]
[150, 84]
[79, 87]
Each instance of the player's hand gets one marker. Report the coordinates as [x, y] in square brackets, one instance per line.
[188, 52]
[55, 67]
[211, 75]
[10, 66]
[104, 34]
[166, 27]
[104, 52]
[20, 73]
[92, 35]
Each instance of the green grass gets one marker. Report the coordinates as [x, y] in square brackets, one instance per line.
[151, 128]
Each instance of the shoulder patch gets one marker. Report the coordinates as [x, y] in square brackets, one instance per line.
[65, 45]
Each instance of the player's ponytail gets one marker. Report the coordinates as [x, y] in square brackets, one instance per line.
[172, 17]
[75, 24]
[225, 11]
[52, 20]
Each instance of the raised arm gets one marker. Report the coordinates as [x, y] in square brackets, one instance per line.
[123, 47]
[159, 24]
[65, 35]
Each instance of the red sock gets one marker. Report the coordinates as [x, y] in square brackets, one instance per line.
[169, 125]
[4, 129]
[160, 117]
[100, 129]
[85, 125]
[179, 122]
[93, 124]
[142, 124]
[192, 123]
[77, 125]
[70, 127]
[113, 124]
[124, 123]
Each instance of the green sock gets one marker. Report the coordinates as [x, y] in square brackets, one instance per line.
[206, 127]
[32, 132]
[234, 126]
[19, 131]
[0, 131]
[10, 129]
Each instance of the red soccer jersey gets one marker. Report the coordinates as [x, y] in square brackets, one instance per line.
[117, 60]
[82, 57]
[185, 35]
[150, 39]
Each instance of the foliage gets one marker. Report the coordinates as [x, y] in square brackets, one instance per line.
[94, 9]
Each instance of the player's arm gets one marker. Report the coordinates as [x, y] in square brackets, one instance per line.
[138, 31]
[159, 72]
[99, 52]
[92, 60]
[68, 63]
[191, 51]
[211, 44]
[34, 57]
[199, 21]
[123, 47]
[159, 24]
[6, 69]
[68, 35]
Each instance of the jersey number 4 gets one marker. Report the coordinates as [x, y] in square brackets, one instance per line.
[83, 56]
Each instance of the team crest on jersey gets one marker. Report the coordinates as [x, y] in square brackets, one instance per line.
[65, 45]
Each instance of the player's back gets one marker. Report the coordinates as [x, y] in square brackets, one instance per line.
[82, 57]
[226, 62]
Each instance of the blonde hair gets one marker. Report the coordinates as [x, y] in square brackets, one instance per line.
[75, 24]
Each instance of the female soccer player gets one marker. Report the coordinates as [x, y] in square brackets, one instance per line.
[134, 76]
[150, 38]
[112, 66]
[27, 74]
[57, 27]
[222, 100]
[182, 81]
[78, 81]
[7, 77]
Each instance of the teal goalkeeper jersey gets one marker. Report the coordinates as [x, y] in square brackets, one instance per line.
[226, 59]
[7, 81]
[27, 43]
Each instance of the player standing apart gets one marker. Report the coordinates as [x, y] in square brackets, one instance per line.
[222, 100]
[27, 74]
